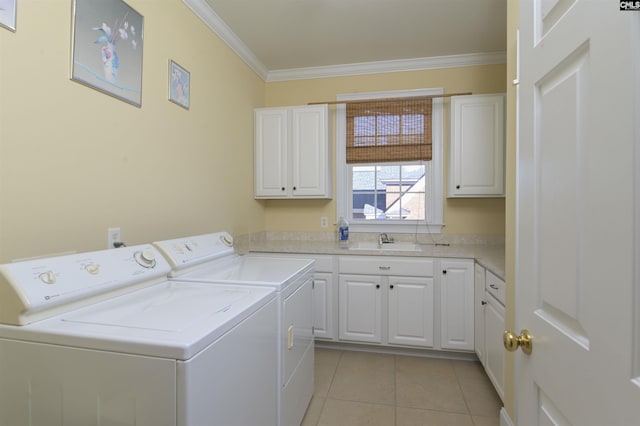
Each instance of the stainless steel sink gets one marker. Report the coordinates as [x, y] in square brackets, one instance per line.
[374, 245]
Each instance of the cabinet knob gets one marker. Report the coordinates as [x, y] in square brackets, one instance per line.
[444, 271]
[377, 285]
[391, 286]
[483, 303]
[283, 188]
[457, 186]
[294, 188]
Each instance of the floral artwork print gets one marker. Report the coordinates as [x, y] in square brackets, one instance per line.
[108, 39]
[107, 48]
[179, 81]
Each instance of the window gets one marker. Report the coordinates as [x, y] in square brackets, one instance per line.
[389, 164]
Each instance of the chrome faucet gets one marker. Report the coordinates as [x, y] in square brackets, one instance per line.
[383, 238]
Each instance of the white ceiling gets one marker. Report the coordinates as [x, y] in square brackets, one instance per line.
[290, 37]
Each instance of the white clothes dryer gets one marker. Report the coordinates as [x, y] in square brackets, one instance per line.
[105, 338]
[210, 258]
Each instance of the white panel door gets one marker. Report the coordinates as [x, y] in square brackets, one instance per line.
[360, 312]
[479, 312]
[578, 99]
[411, 311]
[322, 305]
[456, 304]
[477, 146]
[493, 349]
[309, 150]
[271, 152]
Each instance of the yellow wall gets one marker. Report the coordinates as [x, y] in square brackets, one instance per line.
[74, 161]
[468, 216]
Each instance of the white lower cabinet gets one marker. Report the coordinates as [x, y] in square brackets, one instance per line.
[411, 312]
[379, 302]
[323, 305]
[380, 309]
[494, 349]
[360, 308]
[456, 302]
[478, 311]
[490, 308]
[397, 301]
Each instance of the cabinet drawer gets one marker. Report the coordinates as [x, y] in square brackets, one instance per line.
[495, 286]
[387, 265]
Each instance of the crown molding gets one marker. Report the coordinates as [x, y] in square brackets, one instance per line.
[220, 28]
[418, 64]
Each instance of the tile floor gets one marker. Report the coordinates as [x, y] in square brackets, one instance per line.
[361, 388]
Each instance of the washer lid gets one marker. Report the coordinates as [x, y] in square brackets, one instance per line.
[170, 308]
[171, 320]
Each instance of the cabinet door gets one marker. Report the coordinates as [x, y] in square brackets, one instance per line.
[360, 311]
[270, 153]
[322, 305]
[479, 308]
[411, 311]
[476, 166]
[457, 295]
[494, 350]
[310, 151]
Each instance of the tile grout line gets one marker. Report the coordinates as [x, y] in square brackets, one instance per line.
[333, 376]
[464, 397]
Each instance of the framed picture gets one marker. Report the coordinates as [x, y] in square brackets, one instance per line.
[107, 44]
[8, 14]
[179, 84]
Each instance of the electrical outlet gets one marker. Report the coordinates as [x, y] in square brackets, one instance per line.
[324, 222]
[113, 236]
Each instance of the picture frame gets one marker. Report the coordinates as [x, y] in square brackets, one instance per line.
[8, 14]
[179, 85]
[107, 45]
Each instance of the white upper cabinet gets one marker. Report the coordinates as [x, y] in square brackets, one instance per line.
[292, 152]
[476, 155]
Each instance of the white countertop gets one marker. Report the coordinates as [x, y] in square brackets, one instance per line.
[491, 256]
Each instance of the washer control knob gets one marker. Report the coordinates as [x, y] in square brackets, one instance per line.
[145, 258]
[92, 268]
[227, 240]
[48, 277]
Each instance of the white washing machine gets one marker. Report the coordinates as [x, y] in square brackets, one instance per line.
[210, 258]
[105, 338]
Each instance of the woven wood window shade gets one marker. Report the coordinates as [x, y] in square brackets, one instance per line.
[389, 131]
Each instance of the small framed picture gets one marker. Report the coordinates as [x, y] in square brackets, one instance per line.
[179, 85]
[106, 48]
[8, 14]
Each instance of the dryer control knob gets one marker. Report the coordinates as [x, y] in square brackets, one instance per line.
[92, 268]
[145, 258]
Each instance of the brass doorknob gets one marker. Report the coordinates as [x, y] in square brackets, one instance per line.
[512, 341]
